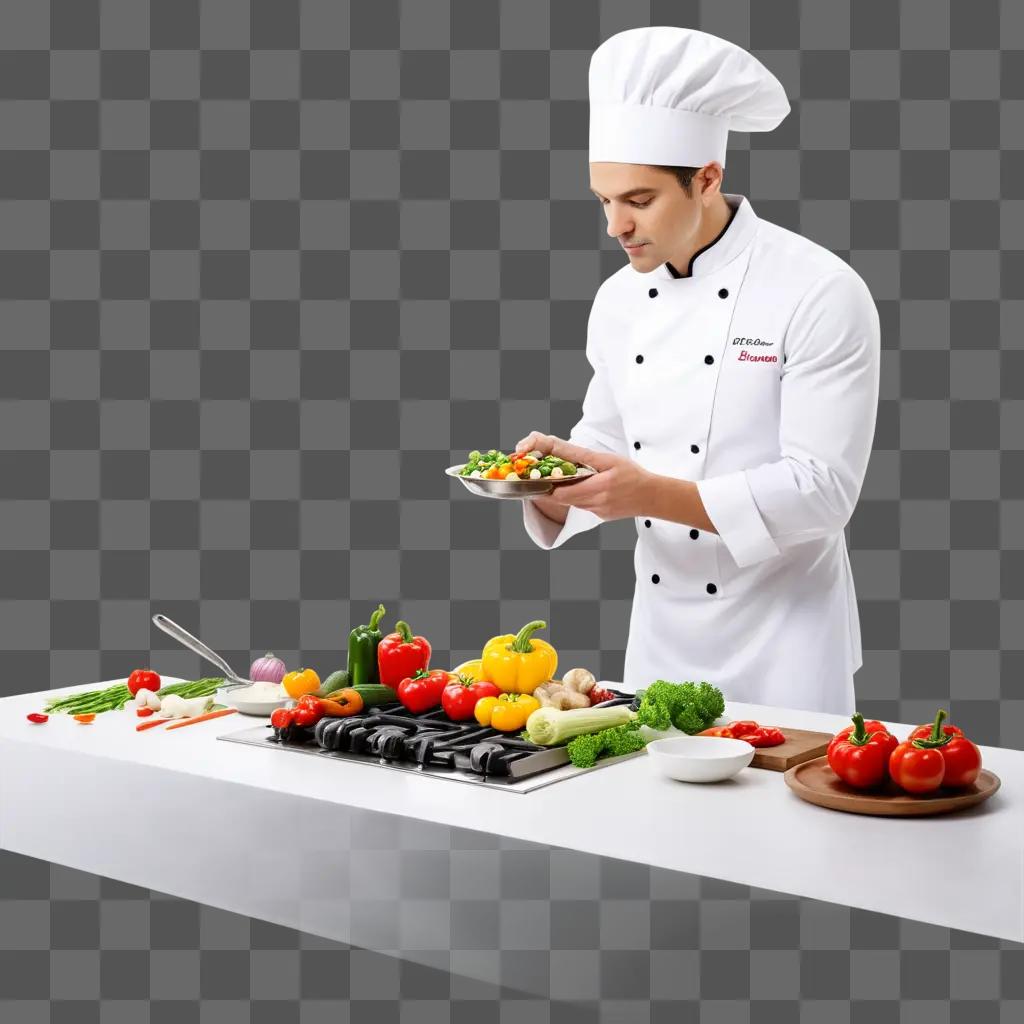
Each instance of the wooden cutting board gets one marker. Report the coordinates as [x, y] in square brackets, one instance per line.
[801, 745]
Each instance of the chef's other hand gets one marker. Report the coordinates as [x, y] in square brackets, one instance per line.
[538, 442]
[618, 490]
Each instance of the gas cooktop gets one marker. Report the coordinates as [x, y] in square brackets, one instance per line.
[431, 745]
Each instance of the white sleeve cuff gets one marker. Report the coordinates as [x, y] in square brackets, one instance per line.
[548, 534]
[730, 506]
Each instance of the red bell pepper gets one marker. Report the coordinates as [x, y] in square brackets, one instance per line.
[859, 755]
[870, 726]
[961, 758]
[765, 736]
[461, 694]
[401, 655]
[749, 731]
[916, 769]
[422, 691]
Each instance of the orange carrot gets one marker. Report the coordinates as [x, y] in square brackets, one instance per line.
[202, 718]
[151, 723]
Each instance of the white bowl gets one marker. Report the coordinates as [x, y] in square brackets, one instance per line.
[248, 703]
[700, 758]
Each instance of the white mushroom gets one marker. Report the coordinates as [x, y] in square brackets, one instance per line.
[579, 679]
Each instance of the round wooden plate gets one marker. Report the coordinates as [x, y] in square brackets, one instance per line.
[815, 782]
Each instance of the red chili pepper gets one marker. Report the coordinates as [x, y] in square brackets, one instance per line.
[144, 712]
[38, 717]
[401, 655]
[861, 757]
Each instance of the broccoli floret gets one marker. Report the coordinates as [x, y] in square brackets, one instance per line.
[690, 707]
[584, 751]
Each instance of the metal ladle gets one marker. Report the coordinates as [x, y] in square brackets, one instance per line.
[194, 644]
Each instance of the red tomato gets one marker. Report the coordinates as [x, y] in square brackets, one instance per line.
[305, 717]
[143, 679]
[422, 692]
[310, 702]
[461, 694]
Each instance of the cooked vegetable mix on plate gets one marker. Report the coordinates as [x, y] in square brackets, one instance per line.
[494, 465]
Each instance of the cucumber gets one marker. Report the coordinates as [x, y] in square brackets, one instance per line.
[375, 694]
[335, 681]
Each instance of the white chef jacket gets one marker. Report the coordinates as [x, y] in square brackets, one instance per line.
[755, 375]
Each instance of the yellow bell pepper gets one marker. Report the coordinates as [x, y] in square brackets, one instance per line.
[297, 684]
[519, 664]
[474, 669]
[507, 713]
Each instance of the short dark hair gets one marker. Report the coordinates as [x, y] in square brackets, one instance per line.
[683, 174]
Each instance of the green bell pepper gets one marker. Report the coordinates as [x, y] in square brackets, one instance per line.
[362, 651]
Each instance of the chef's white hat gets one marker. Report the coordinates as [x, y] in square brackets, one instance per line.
[669, 96]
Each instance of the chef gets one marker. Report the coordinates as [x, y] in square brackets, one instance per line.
[734, 391]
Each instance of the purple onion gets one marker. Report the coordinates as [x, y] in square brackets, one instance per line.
[268, 669]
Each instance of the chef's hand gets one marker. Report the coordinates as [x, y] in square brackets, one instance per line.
[619, 489]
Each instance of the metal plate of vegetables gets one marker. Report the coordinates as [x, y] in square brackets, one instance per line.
[497, 475]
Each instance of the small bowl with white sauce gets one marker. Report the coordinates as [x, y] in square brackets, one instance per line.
[261, 699]
[700, 758]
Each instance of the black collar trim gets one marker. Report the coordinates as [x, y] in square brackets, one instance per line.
[689, 270]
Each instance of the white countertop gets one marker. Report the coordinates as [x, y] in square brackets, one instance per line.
[962, 871]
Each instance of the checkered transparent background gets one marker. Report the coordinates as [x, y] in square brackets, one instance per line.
[267, 267]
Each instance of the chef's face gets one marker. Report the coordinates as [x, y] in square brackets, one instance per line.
[648, 208]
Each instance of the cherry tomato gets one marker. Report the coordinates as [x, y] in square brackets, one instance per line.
[38, 718]
[282, 718]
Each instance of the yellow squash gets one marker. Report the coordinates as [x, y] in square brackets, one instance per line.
[519, 664]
